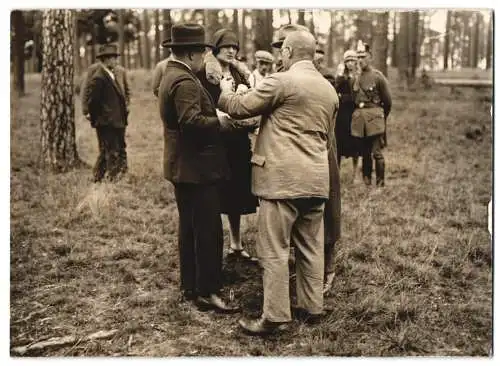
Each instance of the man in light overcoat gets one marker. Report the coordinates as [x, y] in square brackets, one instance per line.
[291, 177]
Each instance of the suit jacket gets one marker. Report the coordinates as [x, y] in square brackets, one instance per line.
[194, 152]
[291, 156]
[121, 78]
[104, 98]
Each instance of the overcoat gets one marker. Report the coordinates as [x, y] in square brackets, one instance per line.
[194, 151]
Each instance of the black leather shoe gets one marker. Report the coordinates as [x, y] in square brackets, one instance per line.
[214, 302]
[188, 295]
[311, 319]
[261, 326]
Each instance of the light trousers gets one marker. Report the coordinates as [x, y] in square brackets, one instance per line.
[297, 222]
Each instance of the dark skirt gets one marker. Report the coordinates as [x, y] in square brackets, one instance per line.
[236, 193]
[347, 145]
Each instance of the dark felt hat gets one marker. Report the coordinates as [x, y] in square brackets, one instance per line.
[187, 35]
[107, 50]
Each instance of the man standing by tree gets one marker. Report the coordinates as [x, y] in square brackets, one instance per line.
[373, 105]
[105, 106]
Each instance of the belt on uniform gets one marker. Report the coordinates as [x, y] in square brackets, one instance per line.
[368, 105]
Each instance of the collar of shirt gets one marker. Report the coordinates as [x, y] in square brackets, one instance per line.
[109, 72]
[301, 62]
[182, 63]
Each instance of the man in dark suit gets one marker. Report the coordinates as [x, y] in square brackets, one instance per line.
[104, 104]
[195, 162]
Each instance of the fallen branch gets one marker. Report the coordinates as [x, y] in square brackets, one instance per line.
[62, 341]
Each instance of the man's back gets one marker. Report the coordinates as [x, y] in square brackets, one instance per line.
[293, 141]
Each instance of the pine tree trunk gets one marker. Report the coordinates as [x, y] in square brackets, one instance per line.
[17, 22]
[157, 36]
[262, 23]
[311, 26]
[147, 45]
[121, 35]
[332, 38]
[301, 19]
[129, 58]
[381, 42]
[211, 22]
[234, 24]
[76, 49]
[57, 115]
[413, 44]
[363, 24]
[140, 60]
[403, 47]
[475, 40]
[394, 50]
[489, 42]
[446, 51]
[167, 26]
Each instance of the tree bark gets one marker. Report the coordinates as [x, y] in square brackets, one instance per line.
[211, 22]
[301, 19]
[17, 22]
[403, 47]
[363, 24]
[76, 49]
[311, 26]
[489, 42]
[121, 35]
[262, 23]
[157, 36]
[474, 42]
[381, 42]
[446, 51]
[413, 44]
[394, 50]
[235, 24]
[57, 115]
[140, 60]
[167, 26]
[332, 40]
[147, 44]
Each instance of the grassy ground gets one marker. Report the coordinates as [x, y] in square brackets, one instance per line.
[414, 266]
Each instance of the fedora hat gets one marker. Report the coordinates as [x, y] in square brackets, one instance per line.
[285, 31]
[107, 50]
[187, 35]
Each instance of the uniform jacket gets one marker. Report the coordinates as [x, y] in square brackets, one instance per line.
[298, 109]
[373, 103]
[193, 145]
[105, 99]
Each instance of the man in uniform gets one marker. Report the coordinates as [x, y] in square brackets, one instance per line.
[333, 205]
[373, 105]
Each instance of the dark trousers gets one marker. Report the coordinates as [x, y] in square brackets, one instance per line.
[112, 157]
[200, 237]
[372, 147]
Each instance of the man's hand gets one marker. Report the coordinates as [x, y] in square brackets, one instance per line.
[227, 85]
[87, 116]
[242, 89]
